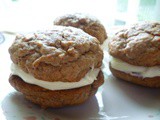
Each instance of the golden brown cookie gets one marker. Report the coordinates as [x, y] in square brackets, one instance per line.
[138, 47]
[58, 98]
[61, 55]
[87, 23]
[67, 52]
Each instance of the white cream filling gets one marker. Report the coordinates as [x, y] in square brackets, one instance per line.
[134, 70]
[87, 80]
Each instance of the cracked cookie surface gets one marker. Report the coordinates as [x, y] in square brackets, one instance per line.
[62, 54]
[87, 23]
[138, 45]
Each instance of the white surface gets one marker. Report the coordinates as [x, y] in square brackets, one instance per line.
[115, 100]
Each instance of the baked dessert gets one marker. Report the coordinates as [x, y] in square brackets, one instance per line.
[87, 23]
[135, 54]
[56, 68]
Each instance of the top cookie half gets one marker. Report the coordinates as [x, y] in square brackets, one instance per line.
[62, 54]
[87, 23]
[138, 45]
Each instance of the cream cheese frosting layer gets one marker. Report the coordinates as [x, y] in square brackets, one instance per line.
[135, 70]
[87, 80]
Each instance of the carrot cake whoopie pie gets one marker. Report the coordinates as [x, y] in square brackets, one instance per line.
[56, 68]
[87, 23]
[135, 54]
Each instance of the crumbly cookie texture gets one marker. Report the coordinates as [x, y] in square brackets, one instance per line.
[57, 98]
[61, 54]
[87, 23]
[138, 45]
